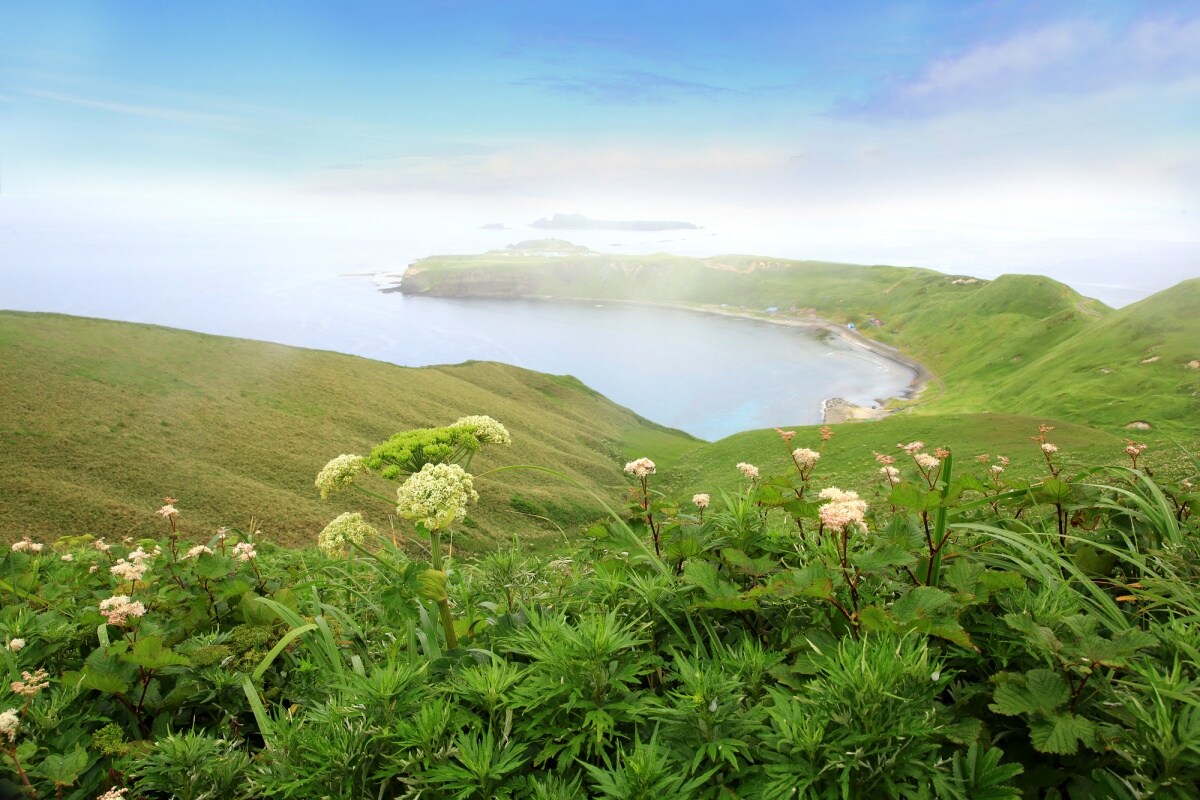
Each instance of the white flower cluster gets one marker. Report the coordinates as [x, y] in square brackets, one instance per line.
[345, 530]
[805, 458]
[338, 474]
[134, 566]
[10, 723]
[926, 461]
[33, 683]
[891, 473]
[437, 496]
[1049, 448]
[16, 644]
[841, 509]
[199, 550]
[640, 468]
[487, 430]
[748, 470]
[701, 501]
[119, 609]
[244, 551]
[912, 448]
[27, 545]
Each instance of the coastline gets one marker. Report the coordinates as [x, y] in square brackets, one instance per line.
[834, 410]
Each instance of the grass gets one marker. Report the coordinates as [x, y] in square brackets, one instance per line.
[101, 420]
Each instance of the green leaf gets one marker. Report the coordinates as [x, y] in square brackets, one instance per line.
[885, 557]
[910, 496]
[1061, 734]
[64, 770]
[149, 653]
[102, 681]
[1054, 490]
[704, 575]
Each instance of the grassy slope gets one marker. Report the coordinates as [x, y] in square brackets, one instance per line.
[1020, 343]
[99, 420]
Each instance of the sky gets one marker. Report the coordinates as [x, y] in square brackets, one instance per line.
[1057, 137]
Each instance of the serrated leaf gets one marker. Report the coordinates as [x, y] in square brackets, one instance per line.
[1061, 734]
[875, 619]
[149, 653]
[910, 496]
[705, 576]
[103, 680]
[923, 602]
[885, 557]
[63, 770]
[1054, 490]
[1048, 689]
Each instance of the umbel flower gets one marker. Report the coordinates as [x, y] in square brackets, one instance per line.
[486, 429]
[338, 474]
[10, 723]
[701, 501]
[748, 470]
[437, 496]
[119, 609]
[345, 530]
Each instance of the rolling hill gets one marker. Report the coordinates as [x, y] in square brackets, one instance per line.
[100, 420]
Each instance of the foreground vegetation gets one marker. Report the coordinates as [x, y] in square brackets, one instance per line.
[970, 634]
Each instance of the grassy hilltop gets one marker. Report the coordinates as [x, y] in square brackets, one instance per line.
[102, 419]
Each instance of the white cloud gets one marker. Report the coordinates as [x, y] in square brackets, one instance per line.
[152, 112]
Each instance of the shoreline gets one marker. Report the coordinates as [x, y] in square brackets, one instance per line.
[834, 410]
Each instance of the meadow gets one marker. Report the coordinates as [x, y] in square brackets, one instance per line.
[242, 570]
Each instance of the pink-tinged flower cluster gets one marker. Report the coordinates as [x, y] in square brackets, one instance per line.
[113, 794]
[244, 551]
[912, 448]
[168, 511]
[701, 501]
[787, 436]
[748, 470]
[640, 468]
[119, 610]
[1134, 449]
[33, 683]
[926, 461]
[27, 545]
[942, 453]
[996, 468]
[10, 723]
[891, 473]
[882, 458]
[1048, 448]
[197, 551]
[101, 545]
[842, 509]
[805, 458]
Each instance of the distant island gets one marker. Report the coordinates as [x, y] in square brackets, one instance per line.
[495, 226]
[578, 222]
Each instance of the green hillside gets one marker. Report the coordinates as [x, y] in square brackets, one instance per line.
[100, 420]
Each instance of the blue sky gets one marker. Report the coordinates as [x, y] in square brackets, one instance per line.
[976, 135]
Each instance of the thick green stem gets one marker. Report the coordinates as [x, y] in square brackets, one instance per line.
[941, 531]
[435, 559]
